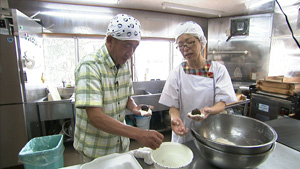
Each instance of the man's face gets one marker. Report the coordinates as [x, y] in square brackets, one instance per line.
[121, 51]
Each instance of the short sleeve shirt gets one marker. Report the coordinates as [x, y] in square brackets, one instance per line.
[99, 83]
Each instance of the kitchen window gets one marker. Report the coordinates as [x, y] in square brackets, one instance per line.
[152, 59]
[87, 46]
[59, 58]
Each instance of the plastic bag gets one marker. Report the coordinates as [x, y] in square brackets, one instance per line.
[42, 151]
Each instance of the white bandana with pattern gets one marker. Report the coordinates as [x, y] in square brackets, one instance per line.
[124, 27]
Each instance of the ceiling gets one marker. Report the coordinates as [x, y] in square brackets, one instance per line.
[57, 15]
[211, 8]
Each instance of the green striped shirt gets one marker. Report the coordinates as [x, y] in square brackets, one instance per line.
[100, 84]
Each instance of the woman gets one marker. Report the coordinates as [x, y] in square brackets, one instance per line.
[195, 83]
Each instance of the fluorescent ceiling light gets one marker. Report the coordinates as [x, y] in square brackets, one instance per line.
[34, 15]
[101, 1]
[67, 14]
[88, 1]
[257, 3]
[77, 8]
[167, 5]
[288, 10]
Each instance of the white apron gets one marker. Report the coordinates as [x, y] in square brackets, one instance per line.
[195, 92]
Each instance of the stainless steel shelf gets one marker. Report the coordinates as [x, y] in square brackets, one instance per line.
[245, 52]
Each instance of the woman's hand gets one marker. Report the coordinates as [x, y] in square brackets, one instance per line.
[204, 114]
[178, 127]
[206, 111]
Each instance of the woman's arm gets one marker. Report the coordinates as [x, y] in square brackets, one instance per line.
[215, 109]
[176, 122]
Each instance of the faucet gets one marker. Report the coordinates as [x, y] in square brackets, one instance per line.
[147, 92]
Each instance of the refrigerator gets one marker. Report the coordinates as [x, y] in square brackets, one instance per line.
[13, 98]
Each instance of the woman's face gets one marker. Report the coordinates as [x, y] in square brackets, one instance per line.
[121, 51]
[189, 46]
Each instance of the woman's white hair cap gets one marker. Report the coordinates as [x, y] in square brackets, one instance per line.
[124, 27]
[191, 28]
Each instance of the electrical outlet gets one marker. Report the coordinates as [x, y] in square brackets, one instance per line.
[2, 23]
[239, 27]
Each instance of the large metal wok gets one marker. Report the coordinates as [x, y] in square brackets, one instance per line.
[250, 136]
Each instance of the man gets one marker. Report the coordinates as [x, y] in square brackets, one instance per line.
[103, 90]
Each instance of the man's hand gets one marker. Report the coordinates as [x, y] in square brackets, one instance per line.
[151, 138]
[137, 110]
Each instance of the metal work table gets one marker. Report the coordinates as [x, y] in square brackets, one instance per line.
[243, 103]
[285, 155]
[56, 110]
[276, 160]
[287, 130]
[281, 157]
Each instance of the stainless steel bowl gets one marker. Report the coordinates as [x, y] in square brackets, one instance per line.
[250, 136]
[230, 160]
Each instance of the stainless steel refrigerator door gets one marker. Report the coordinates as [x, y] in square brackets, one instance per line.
[10, 81]
[13, 135]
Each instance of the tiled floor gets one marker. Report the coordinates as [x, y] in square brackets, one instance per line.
[71, 156]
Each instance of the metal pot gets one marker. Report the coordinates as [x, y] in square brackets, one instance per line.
[250, 136]
[230, 160]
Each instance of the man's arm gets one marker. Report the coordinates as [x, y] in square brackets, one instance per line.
[131, 106]
[100, 120]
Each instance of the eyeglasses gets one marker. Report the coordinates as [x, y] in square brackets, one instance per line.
[186, 44]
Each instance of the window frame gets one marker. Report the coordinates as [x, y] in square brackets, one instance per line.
[171, 49]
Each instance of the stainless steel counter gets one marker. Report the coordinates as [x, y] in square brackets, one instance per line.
[55, 110]
[288, 131]
[285, 156]
[282, 157]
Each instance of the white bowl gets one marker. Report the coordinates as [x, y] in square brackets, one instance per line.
[172, 155]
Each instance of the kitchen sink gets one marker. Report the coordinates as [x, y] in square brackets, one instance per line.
[55, 110]
[150, 99]
[65, 92]
[148, 87]
[148, 92]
